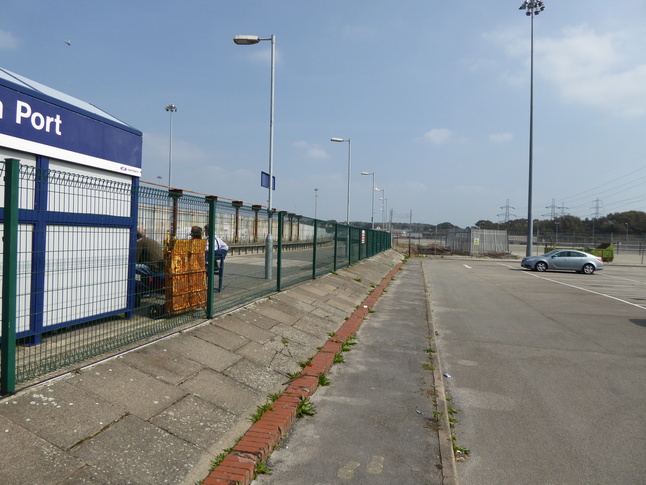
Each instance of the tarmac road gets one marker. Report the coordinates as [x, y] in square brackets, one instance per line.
[548, 373]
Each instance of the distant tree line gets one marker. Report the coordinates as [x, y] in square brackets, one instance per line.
[615, 223]
[633, 222]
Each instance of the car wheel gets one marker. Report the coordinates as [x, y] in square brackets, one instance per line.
[540, 266]
[588, 268]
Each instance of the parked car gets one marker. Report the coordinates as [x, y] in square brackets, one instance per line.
[564, 259]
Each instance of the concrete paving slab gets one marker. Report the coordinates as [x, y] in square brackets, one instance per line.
[52, 413]
[323, 313]
[26, 458]
[164, 364]
[289, 304]
[318, 325]
[284, 364]
[195, 420]
[222, 391]
[342, 305]
[134, 451]
[259, 377]
[221, 337]
[300, 294]
[277, 314]
[260, 354]
[247, 330]
[206, 353]
[127, 387]
[257, 319]
[88, 475]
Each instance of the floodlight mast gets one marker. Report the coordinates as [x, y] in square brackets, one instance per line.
[533, 8]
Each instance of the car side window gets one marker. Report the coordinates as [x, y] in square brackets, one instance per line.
[563, 254]
[574, 254]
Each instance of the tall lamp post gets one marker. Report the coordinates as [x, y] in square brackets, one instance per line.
[172, 109]
[269, 241]
[532, 7]
[316, 202]
[382, 199]
[372, 207]
[347, 210]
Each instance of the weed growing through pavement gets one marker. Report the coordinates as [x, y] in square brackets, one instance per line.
[262, 409]
[324, 380]
[305, 408]
[428, 366]
[305, 363]
[261, 469]
[274, 396]
[347, 346]
[459, 452]
[217, 460]
[293, 375]
[430, 350]
[358, 280]
[338, 358]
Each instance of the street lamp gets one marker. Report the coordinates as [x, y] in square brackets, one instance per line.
[269, 242]
[372, 207]
[172, 109]
[347, 210]
[532, 7]
[382, 199]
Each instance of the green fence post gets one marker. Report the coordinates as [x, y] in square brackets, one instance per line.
[336, 244]
[314, 250]
[9, 277]
[212, 202]
[349, 245]
[279, 256]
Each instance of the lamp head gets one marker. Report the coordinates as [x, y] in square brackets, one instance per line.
[337, 139]
[246, 39]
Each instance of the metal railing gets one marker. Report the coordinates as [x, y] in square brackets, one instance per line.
[72, 288]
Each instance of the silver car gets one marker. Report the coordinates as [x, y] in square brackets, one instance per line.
[564, 259]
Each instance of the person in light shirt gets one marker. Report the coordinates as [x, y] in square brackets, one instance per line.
[221, 248]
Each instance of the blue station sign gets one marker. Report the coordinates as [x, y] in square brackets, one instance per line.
[64, 128]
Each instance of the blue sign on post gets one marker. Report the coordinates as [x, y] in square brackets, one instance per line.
[264, 181]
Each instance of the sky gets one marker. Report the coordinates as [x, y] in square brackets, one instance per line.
[434, 96]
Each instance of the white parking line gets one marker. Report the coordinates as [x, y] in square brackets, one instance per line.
[625, 279]
[467, 267]
[589, 291]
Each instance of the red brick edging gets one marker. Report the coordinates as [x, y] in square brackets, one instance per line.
[263, 435]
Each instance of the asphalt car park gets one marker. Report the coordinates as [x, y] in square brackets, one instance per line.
[546, 370]
[624, 283]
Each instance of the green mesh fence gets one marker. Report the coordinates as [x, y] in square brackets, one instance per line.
[100, 266]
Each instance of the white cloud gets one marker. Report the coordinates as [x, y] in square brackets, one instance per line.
[604, 71]
[437, 136]
[312, 151]
[7, 40]
[501, 137]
